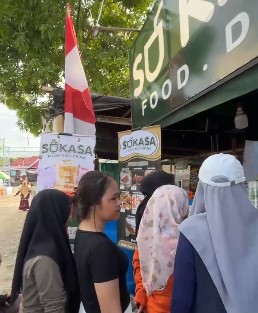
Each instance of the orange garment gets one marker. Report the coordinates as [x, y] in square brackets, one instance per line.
[158, 301]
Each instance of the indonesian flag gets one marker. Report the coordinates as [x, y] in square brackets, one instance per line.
[79, 113]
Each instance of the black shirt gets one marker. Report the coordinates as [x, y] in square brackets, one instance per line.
[99, 260]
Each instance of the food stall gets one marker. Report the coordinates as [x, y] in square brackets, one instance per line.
[194, 72]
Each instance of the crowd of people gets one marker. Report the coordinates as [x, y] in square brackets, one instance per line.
[204, 261]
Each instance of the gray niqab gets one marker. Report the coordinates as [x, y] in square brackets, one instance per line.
[223, 229]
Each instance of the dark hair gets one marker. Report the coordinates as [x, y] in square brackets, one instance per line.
[148, 185]
[90, 191]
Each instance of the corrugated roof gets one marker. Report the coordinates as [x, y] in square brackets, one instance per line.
[30, 162]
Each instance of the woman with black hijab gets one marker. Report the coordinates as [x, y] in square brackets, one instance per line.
[148, 185]
[45, 273]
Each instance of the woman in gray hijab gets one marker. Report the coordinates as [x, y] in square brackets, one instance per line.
[216, 266]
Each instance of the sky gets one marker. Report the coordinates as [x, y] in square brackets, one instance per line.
[19, 143]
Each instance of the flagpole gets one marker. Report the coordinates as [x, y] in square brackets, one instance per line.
[68, 9]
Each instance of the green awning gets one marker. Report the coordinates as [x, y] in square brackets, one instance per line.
[236, 87]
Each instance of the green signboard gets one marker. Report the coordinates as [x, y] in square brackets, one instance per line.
[185, 49]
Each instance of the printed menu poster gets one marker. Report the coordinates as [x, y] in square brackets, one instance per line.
[63, 160]
[139, 154]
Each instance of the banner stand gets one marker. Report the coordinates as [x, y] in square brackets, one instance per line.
[139, 155]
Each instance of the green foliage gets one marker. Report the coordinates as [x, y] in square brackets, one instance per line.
[32, 50]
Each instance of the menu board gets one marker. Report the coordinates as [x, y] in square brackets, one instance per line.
[139, 155]
[63, 160]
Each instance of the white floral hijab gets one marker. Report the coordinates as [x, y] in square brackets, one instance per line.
[158, 235]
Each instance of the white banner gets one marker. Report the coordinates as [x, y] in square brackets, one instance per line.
[63, 160]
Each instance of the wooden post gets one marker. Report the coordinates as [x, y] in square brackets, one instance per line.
[58, 124]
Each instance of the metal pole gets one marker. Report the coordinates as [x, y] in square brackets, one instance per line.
[9, 168]
[3, 140]
[100, 12]
[115, 29]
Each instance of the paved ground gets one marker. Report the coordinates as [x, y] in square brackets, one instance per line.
[11, 224]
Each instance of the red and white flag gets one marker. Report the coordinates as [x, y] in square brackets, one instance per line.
[79, 113]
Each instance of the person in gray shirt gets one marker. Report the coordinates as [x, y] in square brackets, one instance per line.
[45, 272]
